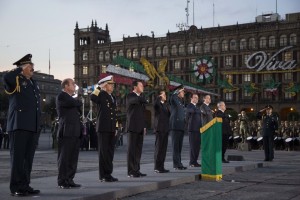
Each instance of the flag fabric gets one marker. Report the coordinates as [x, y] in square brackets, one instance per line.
[211, 142]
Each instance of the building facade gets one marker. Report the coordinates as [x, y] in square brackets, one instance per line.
[256, 63]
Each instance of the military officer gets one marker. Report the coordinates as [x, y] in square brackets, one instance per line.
[23, 122]
[244, 125]
[269, 126]
[177, 125]
[106, 127]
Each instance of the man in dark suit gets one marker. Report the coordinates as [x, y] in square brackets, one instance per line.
[269, 126]
[177, 125]
[206, 112]
[193, 118]
[226, 129]
[23, 122]
[161, 131]
[136, 128]
[106, 127]
[68, 134]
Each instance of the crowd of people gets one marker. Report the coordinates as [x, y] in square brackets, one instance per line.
[172, 117]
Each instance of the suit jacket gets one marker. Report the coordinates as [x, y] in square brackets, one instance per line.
[135, 106]
[206, 114]
[24, 103]
[106, 117]
[269, 123]
[226, 128]
[193, 118]
[177, 118]
[68, 110]
[162, 115]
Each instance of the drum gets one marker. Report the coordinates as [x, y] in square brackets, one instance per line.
[236, 137]
[249, 138]
[275, 138]
[288, 140]
[230, 137]
[259, 139]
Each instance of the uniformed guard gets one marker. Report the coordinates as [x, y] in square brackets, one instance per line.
[23, 121]
[244, 125]
[269, 125]
[106, 127]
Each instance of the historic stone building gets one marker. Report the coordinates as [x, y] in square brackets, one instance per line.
[256, 63]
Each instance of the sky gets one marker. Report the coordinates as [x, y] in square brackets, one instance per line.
[42, 26]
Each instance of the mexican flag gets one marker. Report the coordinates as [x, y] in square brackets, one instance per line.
[211, 142]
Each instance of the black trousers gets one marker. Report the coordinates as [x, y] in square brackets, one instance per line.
[225, 142]
[67, 159]
[195, 141]
[134, 152]
[106, 149]
[177, 140]
[268, 142]
[1, 138]
[161, 145]
[22, 149]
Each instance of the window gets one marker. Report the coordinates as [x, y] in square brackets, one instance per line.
[288, 95]
[135, 53]
[247, 93]
[232, 45]
[229, 96]
[84, 70]
[85, 56]
[165, 51]
[114, 54]
[190, 49]
[158, 51]
[228, 61]
[247, 77]
[143, 52]
[177, 65]
[251, 43]
[262, 42]
[283, 40]
[181, 49]
[246, 56]
[215, 46]
[224, 45]
[121, 53]
[288, 76]
[272, 41]
[150, 52]
[288, 55]
[198, 48]
[293, 39]
[174, 50]
[128, 53]
[267, 77]
[101, 56]
[206, 47]
[103, 69]
[243, 44]
[107, 56]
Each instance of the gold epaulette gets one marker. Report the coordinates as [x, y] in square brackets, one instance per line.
[17, 89]
[96, 92]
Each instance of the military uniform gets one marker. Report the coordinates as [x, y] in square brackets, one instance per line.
[23, 122]
[106, 130]
[269, 126]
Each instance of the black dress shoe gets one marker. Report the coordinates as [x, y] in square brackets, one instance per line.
[180, 168]
[141, 174]
[19, 193]
[195, 165]
[135, 175]
[74, 185]
[109, 179]
[266, 159]
[32, 191]
[161, 171]
[64, 186]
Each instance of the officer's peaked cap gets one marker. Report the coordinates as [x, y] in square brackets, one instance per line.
[25, 60]
[108, 79]
[269, 106]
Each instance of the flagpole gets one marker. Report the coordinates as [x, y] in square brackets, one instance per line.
[49, 63]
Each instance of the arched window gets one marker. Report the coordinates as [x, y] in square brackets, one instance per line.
[143, 52]
[243, 44]
[190, 49]
[135, 53]
[150, 52]
[165, 51]
[272, 41]
[251, 43]
[181, 49]
[224, 45]
[158, 51]
[283, 40]
[206, 47]
[107, 56]
[100, 56]
[174, 50]
[121, 53]
[128, 53]
[293, 39]
[262, 42]
[114, 55]
[215, 46]
[232, 45]
[198, 48]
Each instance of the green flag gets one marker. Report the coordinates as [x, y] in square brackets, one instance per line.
[211, 142]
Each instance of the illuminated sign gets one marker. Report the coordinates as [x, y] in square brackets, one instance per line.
[261, 61]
